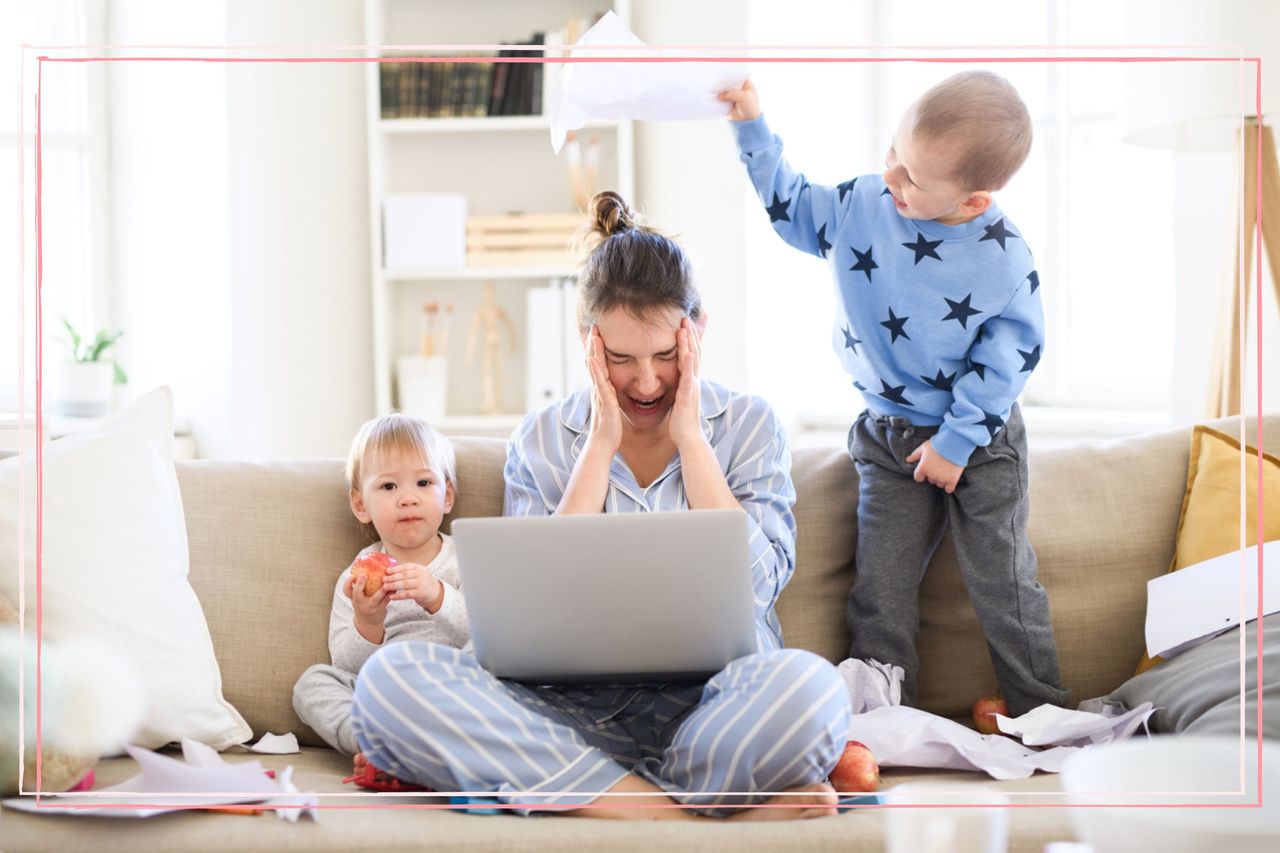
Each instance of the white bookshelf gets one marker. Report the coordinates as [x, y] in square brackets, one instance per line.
[502, 164]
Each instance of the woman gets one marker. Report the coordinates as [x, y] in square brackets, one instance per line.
[647, 435]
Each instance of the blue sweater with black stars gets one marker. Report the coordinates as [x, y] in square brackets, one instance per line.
[940, 324]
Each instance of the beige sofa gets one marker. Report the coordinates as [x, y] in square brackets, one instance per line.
[268, 540]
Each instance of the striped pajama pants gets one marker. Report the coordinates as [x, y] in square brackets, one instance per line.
[431, 714]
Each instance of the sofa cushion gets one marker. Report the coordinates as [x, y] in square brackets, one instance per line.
[1200, 690]
[1209, 524]
[115, 569]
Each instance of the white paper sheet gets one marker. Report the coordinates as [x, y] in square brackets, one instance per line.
[899, 736]
[636, 90]
[1051, 725]
[1204, 600]
[204, 779]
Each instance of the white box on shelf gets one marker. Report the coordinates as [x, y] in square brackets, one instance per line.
[424, 231]
[544, 354]
[555, 361]
[422, 385]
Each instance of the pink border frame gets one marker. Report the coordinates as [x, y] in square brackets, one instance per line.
[41, 59]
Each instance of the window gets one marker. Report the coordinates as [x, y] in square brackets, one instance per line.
[74, 150]
[1097, 212]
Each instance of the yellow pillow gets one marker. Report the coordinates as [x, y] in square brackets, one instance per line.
[1210, 522]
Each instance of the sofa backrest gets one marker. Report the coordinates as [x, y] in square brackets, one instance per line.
[268, 541]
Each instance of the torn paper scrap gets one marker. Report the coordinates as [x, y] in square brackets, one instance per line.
[1051, 725]
[290, 809]
[628, 89]
[871, 684]
[269, 744]
[198, 754]
[1207, 598]
[899, 736]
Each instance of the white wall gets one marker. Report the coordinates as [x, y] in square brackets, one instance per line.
[689, 183]
[170, 214]
[240, 226]
[299, 261]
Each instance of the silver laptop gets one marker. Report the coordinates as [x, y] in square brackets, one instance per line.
[612, 597]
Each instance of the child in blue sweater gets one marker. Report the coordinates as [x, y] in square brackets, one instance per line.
[939, 323]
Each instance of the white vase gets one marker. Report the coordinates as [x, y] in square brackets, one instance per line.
[422, 384]
[84, 389]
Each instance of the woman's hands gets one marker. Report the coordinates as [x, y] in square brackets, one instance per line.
[685, 422]
[606, 416]
[413, 582]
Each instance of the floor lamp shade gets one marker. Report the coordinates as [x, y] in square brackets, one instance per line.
[1197, 106]
[1214, 106]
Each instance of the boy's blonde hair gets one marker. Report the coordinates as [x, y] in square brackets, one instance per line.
[397, 432]
[979, 115]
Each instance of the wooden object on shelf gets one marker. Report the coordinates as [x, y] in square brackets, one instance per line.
[522, 239]
[489, 322]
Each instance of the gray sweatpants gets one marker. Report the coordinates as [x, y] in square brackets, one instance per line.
[322, 699]
[901, 523]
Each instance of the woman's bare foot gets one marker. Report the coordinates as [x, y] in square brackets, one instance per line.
[818, 800]
[628, 794]
[805, 801]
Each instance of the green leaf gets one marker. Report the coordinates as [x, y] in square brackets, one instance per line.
[120, 378]
[101, 343]
[74, 346]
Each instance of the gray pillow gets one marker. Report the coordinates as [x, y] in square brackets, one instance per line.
[1199, 690]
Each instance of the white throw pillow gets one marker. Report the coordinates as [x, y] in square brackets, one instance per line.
[115, 567]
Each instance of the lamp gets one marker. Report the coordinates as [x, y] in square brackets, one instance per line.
[1197, 106]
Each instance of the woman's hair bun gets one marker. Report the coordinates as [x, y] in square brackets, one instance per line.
[610, 214]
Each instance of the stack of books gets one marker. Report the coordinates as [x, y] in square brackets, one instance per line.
[476, 83]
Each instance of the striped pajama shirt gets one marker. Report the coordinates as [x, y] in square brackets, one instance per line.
[773, 720]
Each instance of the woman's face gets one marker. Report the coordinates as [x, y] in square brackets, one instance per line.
[641, 357]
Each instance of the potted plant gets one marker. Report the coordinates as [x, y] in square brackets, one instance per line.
[85, 383]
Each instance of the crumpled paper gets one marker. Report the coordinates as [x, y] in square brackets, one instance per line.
[871, 684]
[1049, 724]
[636, 90]
[899, 736]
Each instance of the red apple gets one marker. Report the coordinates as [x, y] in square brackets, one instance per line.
[373, 567]
[856, 771]
[984, 713]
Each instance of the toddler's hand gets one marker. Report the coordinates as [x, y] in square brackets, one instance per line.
[413, 582]
[745, 100]
[935, 468]
[370, 610]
